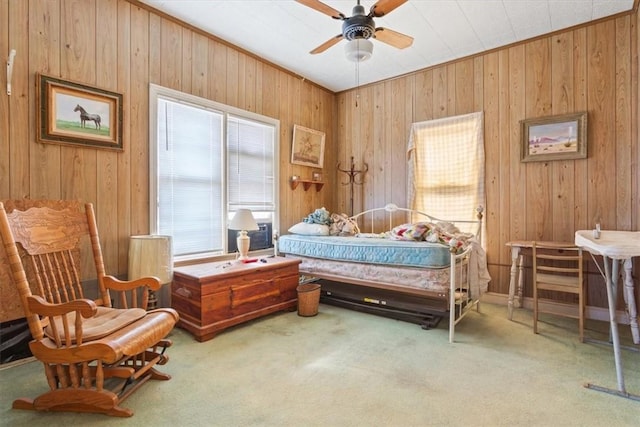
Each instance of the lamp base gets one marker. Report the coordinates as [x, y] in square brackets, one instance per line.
[243, 241]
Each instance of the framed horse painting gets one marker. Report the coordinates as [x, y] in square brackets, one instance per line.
[76, 114]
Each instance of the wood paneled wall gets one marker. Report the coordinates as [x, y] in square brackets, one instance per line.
[123, 46]
[592, 68]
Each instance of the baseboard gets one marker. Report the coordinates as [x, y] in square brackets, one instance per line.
[561, 309]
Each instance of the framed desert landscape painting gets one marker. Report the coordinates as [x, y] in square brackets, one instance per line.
[76, 114]
[308, 147]
[561, 137]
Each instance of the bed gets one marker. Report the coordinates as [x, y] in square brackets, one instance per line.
[422, 270]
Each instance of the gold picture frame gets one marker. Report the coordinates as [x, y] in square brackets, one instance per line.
[72, 113]
[308, 147]
[561, 137]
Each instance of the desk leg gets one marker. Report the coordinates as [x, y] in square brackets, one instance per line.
[611, 268]
[512, 281]
[520, 300]
[630, 301]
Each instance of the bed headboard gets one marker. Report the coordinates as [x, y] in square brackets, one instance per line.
[384, 219]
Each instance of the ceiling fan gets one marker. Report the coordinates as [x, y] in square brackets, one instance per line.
[360, 26]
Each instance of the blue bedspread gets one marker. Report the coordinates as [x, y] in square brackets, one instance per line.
[367, 250]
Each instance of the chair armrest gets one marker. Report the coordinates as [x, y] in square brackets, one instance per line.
[151, 282]
[41, 307]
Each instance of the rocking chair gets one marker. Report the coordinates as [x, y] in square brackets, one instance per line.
[94, 355]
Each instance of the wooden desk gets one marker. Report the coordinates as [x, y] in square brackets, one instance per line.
[519, 248]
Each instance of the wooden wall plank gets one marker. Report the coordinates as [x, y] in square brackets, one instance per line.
[367, 131]
[218, 59]
[145, 69]
[562, 181]
[635, 110]
[376, 173]
[538, 82]
[500, 275]
[622, 139]
[401, 114]
[464, 86]
[581, 214]
[491, 86]
[5, 117]
[601, 105]
[17, 28]
[231, 92]
[186, 61]
[171, 55]
[440, 103]
[124, 158]
[286, 194]
[423, 94]
[107, 161]
[200, 65]
[44, 52]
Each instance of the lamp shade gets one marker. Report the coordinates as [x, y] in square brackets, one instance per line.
[243, 220]
[150, 255]
[358, 50]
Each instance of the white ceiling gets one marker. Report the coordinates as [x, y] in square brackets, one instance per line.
[284, 31]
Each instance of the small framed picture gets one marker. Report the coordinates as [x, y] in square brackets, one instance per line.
[317, 176]
[308, 147]
[562, 137]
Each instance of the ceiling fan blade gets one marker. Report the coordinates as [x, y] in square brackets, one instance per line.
[323, 8]
[326, 45]
[393, 38]
[383, 7]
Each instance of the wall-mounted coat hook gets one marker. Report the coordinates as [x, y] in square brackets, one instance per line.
[12, 55]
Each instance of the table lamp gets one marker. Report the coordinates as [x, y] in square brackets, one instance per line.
[151, 255]
[244, 221]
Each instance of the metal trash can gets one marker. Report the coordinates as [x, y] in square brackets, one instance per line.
[308, 299]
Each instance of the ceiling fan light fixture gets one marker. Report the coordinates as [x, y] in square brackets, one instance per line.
[358, 50]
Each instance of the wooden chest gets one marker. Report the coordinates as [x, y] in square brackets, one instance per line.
[213, 296]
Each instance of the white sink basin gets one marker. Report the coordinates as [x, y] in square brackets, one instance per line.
[612, 243]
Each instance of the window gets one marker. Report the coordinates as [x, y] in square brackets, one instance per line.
[208, 160]
[446, 167]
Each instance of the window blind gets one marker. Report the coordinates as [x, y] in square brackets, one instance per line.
[190, 177]
[250, 165]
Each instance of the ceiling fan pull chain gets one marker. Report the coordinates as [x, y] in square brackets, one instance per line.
[357, 82]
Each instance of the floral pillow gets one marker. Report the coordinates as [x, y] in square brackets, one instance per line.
[416, 231]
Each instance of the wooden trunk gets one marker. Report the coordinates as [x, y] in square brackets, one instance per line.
[213, 296]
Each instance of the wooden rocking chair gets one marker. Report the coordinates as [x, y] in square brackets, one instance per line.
[94, 355]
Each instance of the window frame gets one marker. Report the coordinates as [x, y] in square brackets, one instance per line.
[157, 91]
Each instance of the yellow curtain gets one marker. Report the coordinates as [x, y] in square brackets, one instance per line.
[446, 167]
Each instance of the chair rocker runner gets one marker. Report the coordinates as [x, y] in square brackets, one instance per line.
[94, 355]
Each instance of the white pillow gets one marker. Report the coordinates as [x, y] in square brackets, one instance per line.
[310, 229]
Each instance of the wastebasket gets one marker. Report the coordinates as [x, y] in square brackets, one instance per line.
[308, 299]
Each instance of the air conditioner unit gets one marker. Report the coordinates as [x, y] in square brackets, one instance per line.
[262, 238]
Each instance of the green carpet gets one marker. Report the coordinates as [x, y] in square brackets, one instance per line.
[345, 368]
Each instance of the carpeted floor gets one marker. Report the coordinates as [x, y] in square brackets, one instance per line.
[345, 368]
